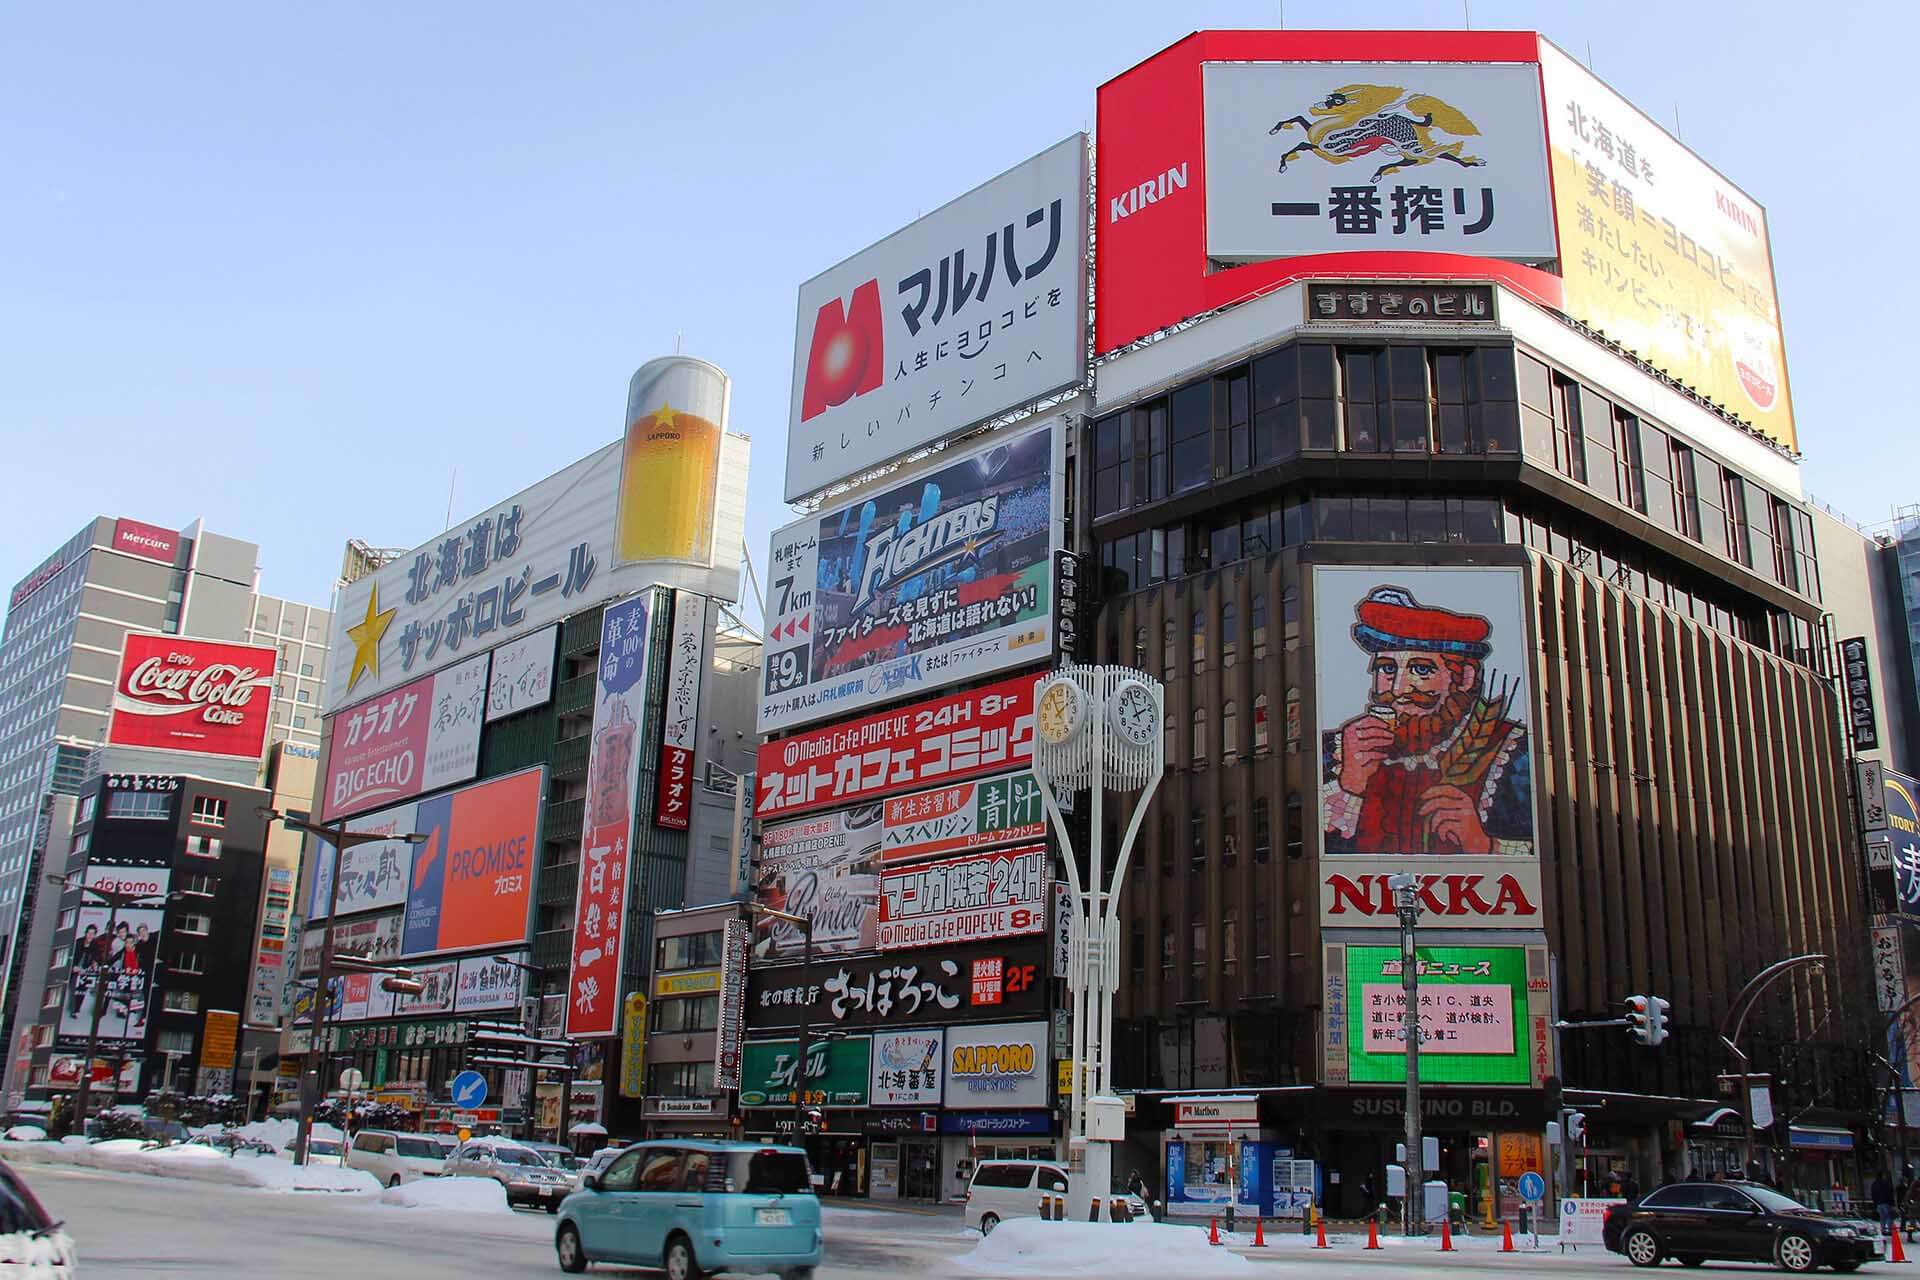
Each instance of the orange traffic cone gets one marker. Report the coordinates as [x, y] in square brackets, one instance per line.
[1373, 1233]
[1899, 1254]
[1259, 1234]
[1213, 1231]
[1506, 1236]
[1319, 1232]
[1446, 1234]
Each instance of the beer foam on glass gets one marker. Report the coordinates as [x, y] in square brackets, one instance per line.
[670, 461]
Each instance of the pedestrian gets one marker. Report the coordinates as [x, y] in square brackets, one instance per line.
[1367, 1206]
[1630, 1188]
[1882, 1195]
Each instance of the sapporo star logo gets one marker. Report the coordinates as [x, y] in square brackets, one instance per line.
[366, 638]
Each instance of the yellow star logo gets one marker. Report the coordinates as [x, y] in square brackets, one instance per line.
[663, 416]
[366, 638]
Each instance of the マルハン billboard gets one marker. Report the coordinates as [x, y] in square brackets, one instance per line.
[593, 531]
[1422, 681]
[1668, 257]
[1316, 157]
[950, 739]
[176, 693]
[973, 310]
[417, 738]
[943, 578]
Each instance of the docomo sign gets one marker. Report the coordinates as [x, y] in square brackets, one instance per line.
[1491, 893]
[180, 694]
[943, 740]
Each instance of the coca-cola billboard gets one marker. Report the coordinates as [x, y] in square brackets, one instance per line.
[208, 697]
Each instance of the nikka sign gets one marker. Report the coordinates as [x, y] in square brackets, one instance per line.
[1457, 893]
[175, 693]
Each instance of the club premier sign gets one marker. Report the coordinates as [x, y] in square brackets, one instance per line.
[180, 694]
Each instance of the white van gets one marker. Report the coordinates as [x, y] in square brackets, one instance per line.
[395, 1157]
[1004, 1189]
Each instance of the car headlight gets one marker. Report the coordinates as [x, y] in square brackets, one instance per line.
[1844, 1233]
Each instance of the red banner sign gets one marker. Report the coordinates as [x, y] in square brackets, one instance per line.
[203, 696]
[941, 740]
[148, 541]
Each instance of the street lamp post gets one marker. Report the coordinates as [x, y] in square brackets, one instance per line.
[805, 925]
[1406, 904]
[312, 1081]
[539, 974]
[1735, 1022]
[114, 900]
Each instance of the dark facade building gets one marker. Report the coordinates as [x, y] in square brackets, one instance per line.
[158, 974]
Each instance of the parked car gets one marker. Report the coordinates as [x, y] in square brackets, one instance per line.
[562, 1159]
[694, 1207]
[395, 1157]
[600, 1159]
[322, 1151]
[526, 1176]
[31, 1242]
[1734, 1221]
[1003, 1189]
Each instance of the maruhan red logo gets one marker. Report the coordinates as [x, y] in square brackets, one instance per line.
[847, 357]
[179, 685]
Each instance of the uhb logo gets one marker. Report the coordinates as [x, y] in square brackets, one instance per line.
[847, 356]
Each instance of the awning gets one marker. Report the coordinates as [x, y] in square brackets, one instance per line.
[589, 1130]
[1807, 1137]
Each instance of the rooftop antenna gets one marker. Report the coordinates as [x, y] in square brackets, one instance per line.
[1676, 121]
[1466, 12]
[1589, 55]
[676, 341]
[1283, 15]
[454, 475]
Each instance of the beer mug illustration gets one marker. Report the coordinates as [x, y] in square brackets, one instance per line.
[612, 758]
[670, 461]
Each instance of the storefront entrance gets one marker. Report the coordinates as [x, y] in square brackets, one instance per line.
[920, 1169]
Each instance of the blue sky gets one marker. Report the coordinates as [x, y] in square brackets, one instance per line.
[291, 267]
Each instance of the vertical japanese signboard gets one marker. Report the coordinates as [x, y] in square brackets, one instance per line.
[975, 309]
[1661, 252]
[1862, 719]
[613, 776]
[686, 658]
[943, 578]
[269, 963]
[733, 1005]
[408, 741]
[633, 1046]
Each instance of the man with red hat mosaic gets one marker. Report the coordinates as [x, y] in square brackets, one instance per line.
[1436, 763]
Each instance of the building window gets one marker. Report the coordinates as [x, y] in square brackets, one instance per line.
[1230, 834]
[193, 923]
[209, 811]
[1739, 535]
[1230, 940]
[1260, 724]
[1686, 490]
[1166, 844]
[82, 841]
[1783, 561]
[180, 1001]
[1363, 398]
[153, 806]
[1139, 648]
[199, 885]
[1627, 460]
[204, 846]
[694, 1013]
[1262, 831]
[301, 696]
[1450, 401]
[189, 962]
[1197, 838]
[1259, 626]
[1230, 730]
[54, 995]
[1199, 640]
[1569, 430]
[1199, 735]
[1197, 939]
[306, 668]
[1276, 407]
[1229, 635]
[1166, 949]
[86, 808]
[1232, 410]
[67, 918]
[680, 1079]
[299, 722]
[180, 1042]
[690, 951]
[1191, 410]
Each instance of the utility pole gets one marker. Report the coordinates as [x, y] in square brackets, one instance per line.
[804, 1045]
[1406, 903]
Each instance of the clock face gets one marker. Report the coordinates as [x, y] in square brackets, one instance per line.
[1062, 708]
[1133, 714]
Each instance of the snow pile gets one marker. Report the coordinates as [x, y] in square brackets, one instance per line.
[278, 1134]
[26, 1133]
[449, 1195]
[191, 1161]
[1031, 1247]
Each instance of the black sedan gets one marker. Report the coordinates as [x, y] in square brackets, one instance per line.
[1738, 1221]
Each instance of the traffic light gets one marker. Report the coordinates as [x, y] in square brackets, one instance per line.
[1577, 1126]
[1656, 1019]
[1637, 1026]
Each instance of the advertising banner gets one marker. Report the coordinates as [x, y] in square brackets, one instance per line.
[836, 1074]
[1316, 157]
[960, 984]
[114, 955]
[372, 875]
[961, 817]
[1862, 719]
[176, 693]
[1583, 1221]
[484, 984]
[1001, 894]
[613, 776]
[472, 882]
[733, 1005]
[417, 738]
[1661, 252]
[522, 674]
[1476, 1015]
[906, 1068]
[948, 739]
[552, 550]
[1902, 814]
[148, 541]
[946, 577]
[973, 310]
[633, 1046]
[1425, 702]
[270, 958]
[825, 868]
[686, 658]
[998, 1066]
[437, 991]
[375, 937]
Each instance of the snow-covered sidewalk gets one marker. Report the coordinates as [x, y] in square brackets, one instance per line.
[1031, 1247]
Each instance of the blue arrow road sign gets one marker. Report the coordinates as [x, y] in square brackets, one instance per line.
[1532, 1186]
[470, 1090]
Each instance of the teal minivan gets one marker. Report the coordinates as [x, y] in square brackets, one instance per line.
[694, 1207]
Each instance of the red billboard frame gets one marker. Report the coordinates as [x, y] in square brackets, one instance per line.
[1150, 264]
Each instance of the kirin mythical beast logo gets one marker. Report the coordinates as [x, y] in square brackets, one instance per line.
[897, 553]
[1366, 119]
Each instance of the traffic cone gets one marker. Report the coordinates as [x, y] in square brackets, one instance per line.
[1259, 1234]
[1213, 1231]
[1506, 1236]
[1899, 1254]
[1446, 1234]
[1320, 1232]
[1373, 1233]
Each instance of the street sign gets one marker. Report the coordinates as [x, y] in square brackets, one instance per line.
[469, 1090]
[1533, 1187]
[351, 1079]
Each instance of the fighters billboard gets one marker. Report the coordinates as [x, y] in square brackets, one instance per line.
[943, 578]
[973, 310]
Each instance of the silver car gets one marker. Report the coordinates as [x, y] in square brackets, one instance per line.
[520, 1170]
